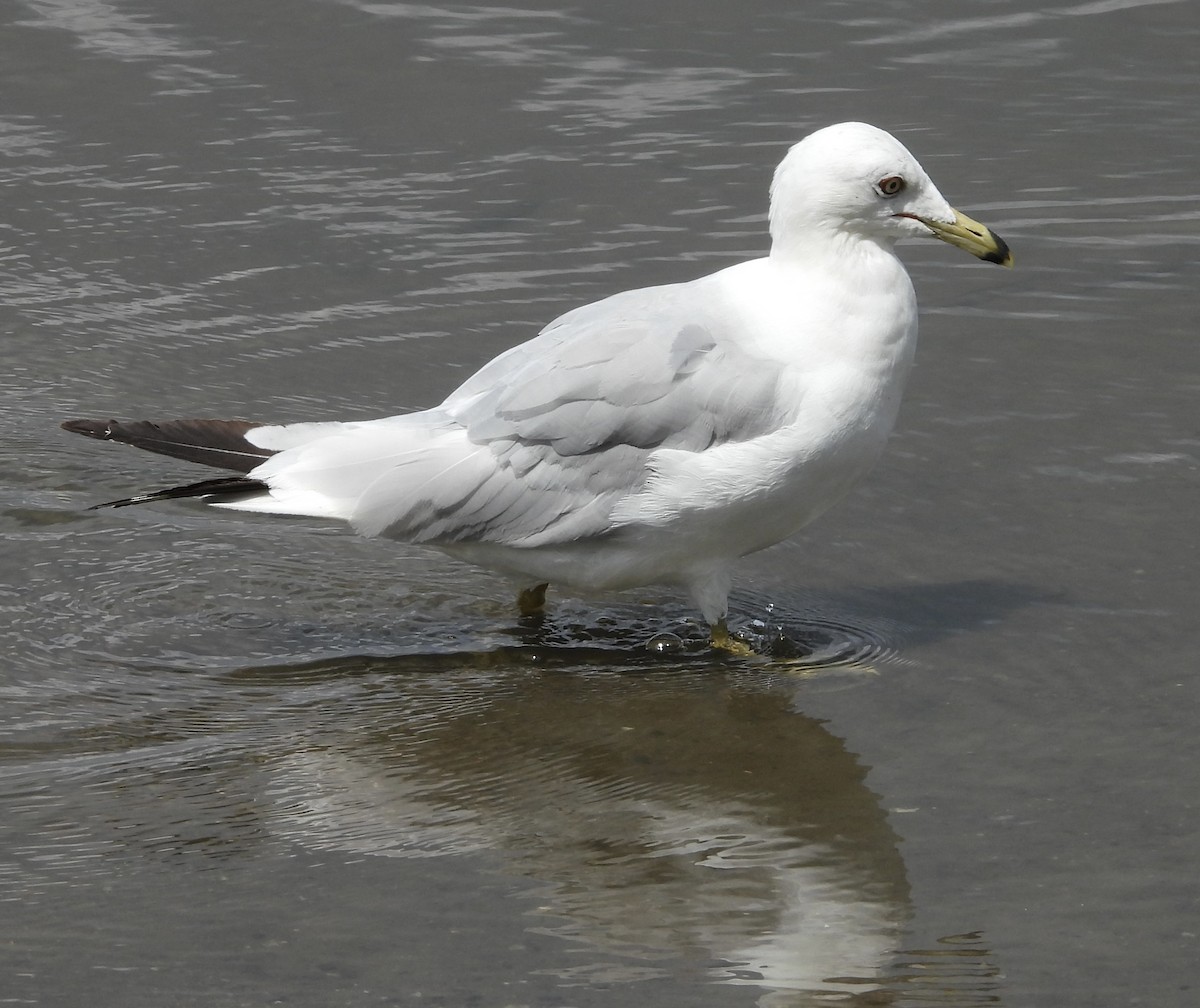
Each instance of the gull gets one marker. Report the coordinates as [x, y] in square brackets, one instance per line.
[654, 437]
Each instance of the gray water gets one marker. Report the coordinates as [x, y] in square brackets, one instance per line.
[252, 762]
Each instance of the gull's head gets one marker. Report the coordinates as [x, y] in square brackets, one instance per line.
[855, 181]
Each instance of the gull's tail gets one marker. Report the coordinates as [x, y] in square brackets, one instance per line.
[218, 443]
[395, 473]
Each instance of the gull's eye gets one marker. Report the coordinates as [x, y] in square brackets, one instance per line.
[893, 185]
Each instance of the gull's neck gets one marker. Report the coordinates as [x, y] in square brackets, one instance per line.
[824, 246]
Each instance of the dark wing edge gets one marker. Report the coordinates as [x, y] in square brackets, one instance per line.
[218, 443]
[222, 490]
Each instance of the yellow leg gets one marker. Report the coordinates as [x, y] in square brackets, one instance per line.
[532, 601]
[723, 640]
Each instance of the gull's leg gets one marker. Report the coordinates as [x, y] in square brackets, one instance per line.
[531, 601]
[710, 591]
[723, 640]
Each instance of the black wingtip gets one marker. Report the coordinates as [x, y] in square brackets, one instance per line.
[218, 443]
[222, 490]
[100, 429]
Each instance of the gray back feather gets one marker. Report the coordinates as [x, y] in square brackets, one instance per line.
[567, 421]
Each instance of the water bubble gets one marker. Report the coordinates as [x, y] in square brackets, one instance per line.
[665, 642]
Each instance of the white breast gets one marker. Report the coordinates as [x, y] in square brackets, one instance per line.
[843, 352]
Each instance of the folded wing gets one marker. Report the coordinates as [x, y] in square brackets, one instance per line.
[558, 430]
[537, 448]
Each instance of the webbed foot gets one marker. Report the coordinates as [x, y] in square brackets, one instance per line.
[531, 601]
[723, 640]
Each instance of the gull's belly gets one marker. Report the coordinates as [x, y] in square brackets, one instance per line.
[702, 511]
[774, 488]
[698, 512]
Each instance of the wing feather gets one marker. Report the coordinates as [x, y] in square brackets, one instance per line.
[560, 429]
[539, 447]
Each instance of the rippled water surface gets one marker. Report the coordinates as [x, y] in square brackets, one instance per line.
[250, 762]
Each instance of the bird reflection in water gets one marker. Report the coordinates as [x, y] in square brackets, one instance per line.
[675, 818]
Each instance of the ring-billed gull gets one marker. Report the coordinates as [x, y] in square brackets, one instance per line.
[653, 437]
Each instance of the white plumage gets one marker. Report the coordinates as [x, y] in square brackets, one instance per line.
[659, 435]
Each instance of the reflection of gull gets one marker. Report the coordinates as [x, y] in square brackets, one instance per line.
[671, 823]
[655, 436]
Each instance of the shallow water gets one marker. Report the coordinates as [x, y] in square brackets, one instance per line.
[250, 762]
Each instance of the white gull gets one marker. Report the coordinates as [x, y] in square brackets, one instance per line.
[656, 436]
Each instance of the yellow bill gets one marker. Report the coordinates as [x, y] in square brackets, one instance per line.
[971, 236]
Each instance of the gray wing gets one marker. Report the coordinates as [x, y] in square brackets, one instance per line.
[570, 418]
